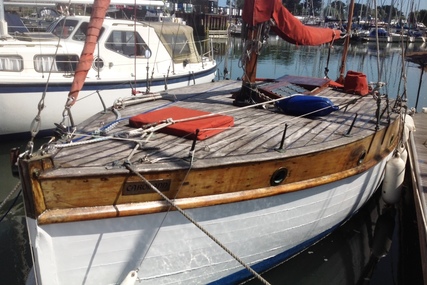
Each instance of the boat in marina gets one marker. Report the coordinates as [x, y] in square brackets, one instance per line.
[131, 57]
[211, 183]
[391, 37]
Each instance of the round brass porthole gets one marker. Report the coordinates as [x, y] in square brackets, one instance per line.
[278, 176]
[361, 157]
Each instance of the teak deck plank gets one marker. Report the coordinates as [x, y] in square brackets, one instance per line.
[256, 131]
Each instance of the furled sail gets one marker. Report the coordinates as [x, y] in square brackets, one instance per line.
[99, 11]
[286, 25]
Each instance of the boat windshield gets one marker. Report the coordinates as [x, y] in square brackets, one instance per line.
[64, 28]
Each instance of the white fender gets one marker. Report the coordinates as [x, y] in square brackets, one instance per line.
[405, 135]
[408, 127]
[403, 152]
[393, 179]
[409, 122]
[130, 278]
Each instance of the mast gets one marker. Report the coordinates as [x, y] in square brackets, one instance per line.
[99, 11]
[258, 17]
[346, 43]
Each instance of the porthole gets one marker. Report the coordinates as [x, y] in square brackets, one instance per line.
[97, 64]
[278, 176]
[361, 157]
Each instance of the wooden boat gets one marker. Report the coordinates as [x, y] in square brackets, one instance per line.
[160, 56]
[211, 183]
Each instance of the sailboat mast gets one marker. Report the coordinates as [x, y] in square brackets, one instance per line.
[99, 10]
[346, 42]
[249, 75]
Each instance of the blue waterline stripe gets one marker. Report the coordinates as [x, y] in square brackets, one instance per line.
[243, 275]
[23, 87]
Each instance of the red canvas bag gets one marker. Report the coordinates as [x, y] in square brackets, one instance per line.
[356, 83]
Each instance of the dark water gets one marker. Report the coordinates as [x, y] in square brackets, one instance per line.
[377, 246]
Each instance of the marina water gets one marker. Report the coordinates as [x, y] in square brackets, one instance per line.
[344, 257]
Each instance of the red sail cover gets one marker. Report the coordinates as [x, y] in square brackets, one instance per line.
[99, 10]
[287, 26]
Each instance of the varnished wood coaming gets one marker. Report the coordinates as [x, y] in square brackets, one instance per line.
[86, 182]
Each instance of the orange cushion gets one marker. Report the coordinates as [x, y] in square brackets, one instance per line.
[207, 126]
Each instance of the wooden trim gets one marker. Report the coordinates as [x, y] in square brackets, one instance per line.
[141, 206]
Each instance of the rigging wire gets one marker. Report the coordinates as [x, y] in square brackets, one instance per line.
[36, 123]
[18, 186]
[11, 206]
[130, 167]
[166, 213]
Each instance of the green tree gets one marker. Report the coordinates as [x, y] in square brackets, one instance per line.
[239, 3]
[387, 12]
[422, 17]
[361, 11]
[294, 6]
[312, 7]
[340, 9]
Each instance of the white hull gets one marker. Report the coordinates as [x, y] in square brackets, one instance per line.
[260, 232]
[18, 110]
[123, 61]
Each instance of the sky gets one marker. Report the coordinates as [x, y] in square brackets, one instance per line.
[422, 4]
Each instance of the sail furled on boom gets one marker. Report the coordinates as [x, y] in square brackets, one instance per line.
[99, 11]
[285, 24]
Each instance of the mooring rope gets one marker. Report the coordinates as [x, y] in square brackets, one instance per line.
[129, 166]
[18, 186]
[10, 194]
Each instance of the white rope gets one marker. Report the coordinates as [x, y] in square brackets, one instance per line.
[10, 194]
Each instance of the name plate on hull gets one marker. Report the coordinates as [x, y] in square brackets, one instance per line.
[135, 188]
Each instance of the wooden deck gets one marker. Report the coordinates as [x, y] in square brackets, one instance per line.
[257, 132]
[262, 147]
[418, 160]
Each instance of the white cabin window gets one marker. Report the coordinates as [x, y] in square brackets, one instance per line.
[128, 43]
[11, 63]
[56, 63]
[81, 32]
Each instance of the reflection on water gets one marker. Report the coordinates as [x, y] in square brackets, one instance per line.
[279, 58]
[15, 256]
